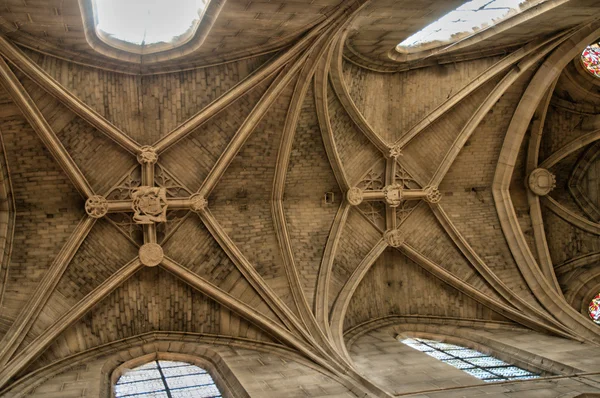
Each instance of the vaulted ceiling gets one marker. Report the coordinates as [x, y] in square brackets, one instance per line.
[244, 189]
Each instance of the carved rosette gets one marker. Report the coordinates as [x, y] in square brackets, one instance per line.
[149, 205]
[147, 155]
[151, 254]
[394, 237]
[96, 206]
[395, 151]
[354, 196]
[198, 203]
[541, 182]
[432, 194]
[393, 194]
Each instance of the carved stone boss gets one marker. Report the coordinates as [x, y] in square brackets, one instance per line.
[149, 205]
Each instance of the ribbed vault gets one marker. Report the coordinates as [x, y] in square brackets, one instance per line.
[289, 183]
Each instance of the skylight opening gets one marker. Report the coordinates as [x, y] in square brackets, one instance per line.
[146, 23]
[471, 17]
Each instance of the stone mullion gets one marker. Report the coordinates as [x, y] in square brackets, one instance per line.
[43, 129]
[31, 310]
[33, 350]
[46, 82]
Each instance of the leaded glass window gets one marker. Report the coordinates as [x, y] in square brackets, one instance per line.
[590, 58]
[166, 379]
[594, 309]
[473, 362]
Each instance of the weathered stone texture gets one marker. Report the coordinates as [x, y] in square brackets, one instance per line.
[393, 102]
[357, 154]
[151, 300]
[48, 208]
[308, 217]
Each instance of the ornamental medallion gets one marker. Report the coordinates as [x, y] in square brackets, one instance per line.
[149, 205]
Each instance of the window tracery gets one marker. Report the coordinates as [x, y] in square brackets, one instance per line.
[590, 59]
[166, 379]
[484, 367]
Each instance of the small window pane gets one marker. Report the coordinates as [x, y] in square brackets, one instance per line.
[487, 361]
[481, 373]
[140, 386]
[182, 371]
[189, 381]
[164, 379]
[459, 363]
[439, 355]
[196, 392]
[465, 353]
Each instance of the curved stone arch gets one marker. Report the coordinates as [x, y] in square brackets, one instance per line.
[463, 333]
[209, 360]
[543, 78]
[7, 219]
[189, 45]
[188, 344]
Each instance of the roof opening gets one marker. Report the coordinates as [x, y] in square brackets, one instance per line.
[143, 26]
[471, 17]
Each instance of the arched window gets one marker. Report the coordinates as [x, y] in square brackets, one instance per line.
[594, 309]
[590, 59]
[475, 363]
[166, 379]
[471, 17]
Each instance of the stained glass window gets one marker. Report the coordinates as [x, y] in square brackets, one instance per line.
[166, 379]
[472, 16]
[475, 363]
[594, 309]
[590, 58]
